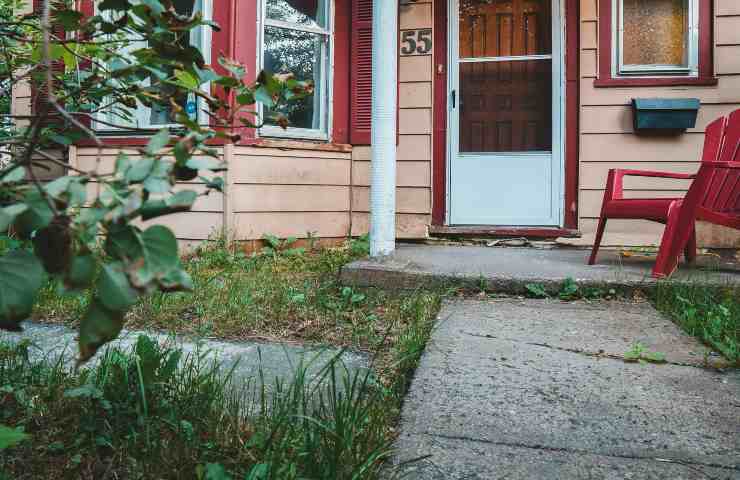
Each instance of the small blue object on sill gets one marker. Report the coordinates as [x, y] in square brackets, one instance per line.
[664, 115]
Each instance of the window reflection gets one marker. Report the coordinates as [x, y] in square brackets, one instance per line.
[302, 12]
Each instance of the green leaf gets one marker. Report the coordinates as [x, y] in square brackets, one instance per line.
[10, 437]
[159, 179]
[18, 174]
[8, 215]
[86, 391]
[81, 272]
[216, 183]
[263, 96]
[139, 170]
[114, 290]
[176, 280]
[179, 202]
[205, 163]
[21, 277]
[98, 327]
[37, 216]
[186, 79]
[160, 249]
[124, 243]
[123, 164]
[158, 142]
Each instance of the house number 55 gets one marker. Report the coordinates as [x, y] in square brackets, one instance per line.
[416, 42]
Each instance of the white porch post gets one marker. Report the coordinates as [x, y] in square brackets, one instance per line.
[385, 97]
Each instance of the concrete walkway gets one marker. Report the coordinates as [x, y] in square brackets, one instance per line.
[247, 359]
[535, 389]
[506, 269]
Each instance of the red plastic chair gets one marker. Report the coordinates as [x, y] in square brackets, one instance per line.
[714, 196]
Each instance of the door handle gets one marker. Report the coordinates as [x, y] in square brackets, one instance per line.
[454, 99]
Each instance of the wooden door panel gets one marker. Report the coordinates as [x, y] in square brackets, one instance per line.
[505, 106]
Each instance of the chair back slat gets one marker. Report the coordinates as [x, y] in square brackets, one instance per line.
[721, 186]
[713, 137]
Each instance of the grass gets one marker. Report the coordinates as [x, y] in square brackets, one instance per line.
[710, 314]
[284, 294]
[154, 413]
[135, 417]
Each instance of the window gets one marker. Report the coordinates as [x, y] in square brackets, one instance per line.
[657, 37]
[655, 43]
[297, 39]
[160, 116]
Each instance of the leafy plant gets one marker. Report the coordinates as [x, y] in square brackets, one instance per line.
[276, 247]
[84, 227]
[569, 290]
[639, 353]
[537, 290]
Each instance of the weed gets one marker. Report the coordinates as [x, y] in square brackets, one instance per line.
[276, 247]
[711, 314]
[569, 290]
[537, 290]
[154, 412]
[273, 295]
[639, 353]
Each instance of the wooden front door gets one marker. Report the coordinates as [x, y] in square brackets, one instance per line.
[504, 103]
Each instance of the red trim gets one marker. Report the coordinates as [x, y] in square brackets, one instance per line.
[439, 163]
[439, 134]
[244, 49]
[706, 61]
[534, 232]
[342, 53]
[572, 102]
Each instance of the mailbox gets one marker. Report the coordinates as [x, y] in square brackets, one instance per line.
[661, 114]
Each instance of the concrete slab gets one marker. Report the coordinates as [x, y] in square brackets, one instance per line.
[490, 394]
[276, 360]
[509, 269]
[607, 328]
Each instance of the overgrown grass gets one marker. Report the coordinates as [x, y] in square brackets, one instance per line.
[709, 313]
[154, 413]
[283, 294]
[186, 424]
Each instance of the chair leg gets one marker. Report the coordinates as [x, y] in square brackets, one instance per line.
[690, 250]
[597, 240]
[668, 253]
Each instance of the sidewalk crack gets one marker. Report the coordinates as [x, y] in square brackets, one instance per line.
[547, 448]
[587, 353]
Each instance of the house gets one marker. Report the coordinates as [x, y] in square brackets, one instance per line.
[510, 113]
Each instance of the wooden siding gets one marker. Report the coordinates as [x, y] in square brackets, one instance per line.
[414, 166]
[608, 140]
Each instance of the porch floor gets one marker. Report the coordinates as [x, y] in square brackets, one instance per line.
[509, 270]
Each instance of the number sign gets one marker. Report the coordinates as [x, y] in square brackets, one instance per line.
[416, 42]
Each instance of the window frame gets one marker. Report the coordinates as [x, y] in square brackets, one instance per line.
[327, 69]
[143, 113]
[691, 41]
[700, 70]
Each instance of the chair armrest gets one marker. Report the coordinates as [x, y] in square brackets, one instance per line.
[654, 174]
[615, 180]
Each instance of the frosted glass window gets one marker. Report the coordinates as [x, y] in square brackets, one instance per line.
[656, 36]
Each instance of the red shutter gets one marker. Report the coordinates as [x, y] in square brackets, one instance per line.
[361, 71]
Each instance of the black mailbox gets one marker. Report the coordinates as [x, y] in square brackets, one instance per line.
[660, 114]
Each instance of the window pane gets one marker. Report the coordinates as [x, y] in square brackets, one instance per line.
[299, 53]
[655, 32]
[505, 28]
[506, 106]
[304, 12]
